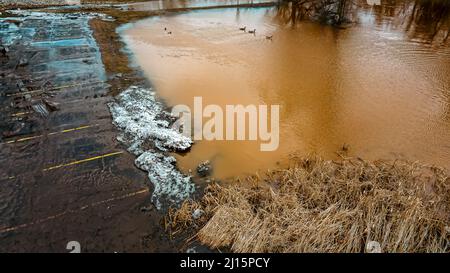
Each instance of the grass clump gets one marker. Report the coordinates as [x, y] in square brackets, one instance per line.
[325, 206]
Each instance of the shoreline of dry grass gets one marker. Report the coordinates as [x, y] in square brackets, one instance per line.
[325, 206]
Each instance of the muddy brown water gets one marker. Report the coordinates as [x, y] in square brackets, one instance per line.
[378, 88]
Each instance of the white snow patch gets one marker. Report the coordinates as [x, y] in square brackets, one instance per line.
[140, 117]
[148, 135]
[169, 183]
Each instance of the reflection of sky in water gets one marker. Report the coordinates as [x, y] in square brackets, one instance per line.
[53, 44]
[65, 42]
[10, 32]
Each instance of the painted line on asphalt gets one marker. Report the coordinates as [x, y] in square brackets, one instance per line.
[70, 163]
[21, 114]
[94, 204]
[82, 161]
[51, 134]
[52, 89]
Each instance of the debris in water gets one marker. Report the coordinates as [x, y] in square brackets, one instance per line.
[204, 168]
[51, 105]
[41, 109]
[22, 62]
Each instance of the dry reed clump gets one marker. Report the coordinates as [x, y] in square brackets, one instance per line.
[326, 206]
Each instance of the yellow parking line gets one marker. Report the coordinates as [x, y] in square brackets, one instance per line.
[51, 217]
[77, 128]
[81, 161]
[23, 139]
[20, 114]
[73, 163]
[51, 134]
[51, 89]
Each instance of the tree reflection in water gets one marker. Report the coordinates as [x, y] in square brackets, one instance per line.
[427, 20]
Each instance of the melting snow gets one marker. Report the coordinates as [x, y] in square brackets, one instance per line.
[145, 129]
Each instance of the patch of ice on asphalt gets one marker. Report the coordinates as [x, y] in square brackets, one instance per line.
[145, 130]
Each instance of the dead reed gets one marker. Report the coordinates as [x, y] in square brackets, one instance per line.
[325, 206]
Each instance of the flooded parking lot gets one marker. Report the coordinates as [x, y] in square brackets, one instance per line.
[64, 177]
[82, 163]
[377, 90]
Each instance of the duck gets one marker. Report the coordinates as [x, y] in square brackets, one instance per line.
[242, 28]
[169, 32]
[252, 31]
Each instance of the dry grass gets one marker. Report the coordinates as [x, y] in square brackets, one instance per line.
[326, 206]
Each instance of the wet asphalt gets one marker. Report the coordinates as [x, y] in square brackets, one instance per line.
[63, 175]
